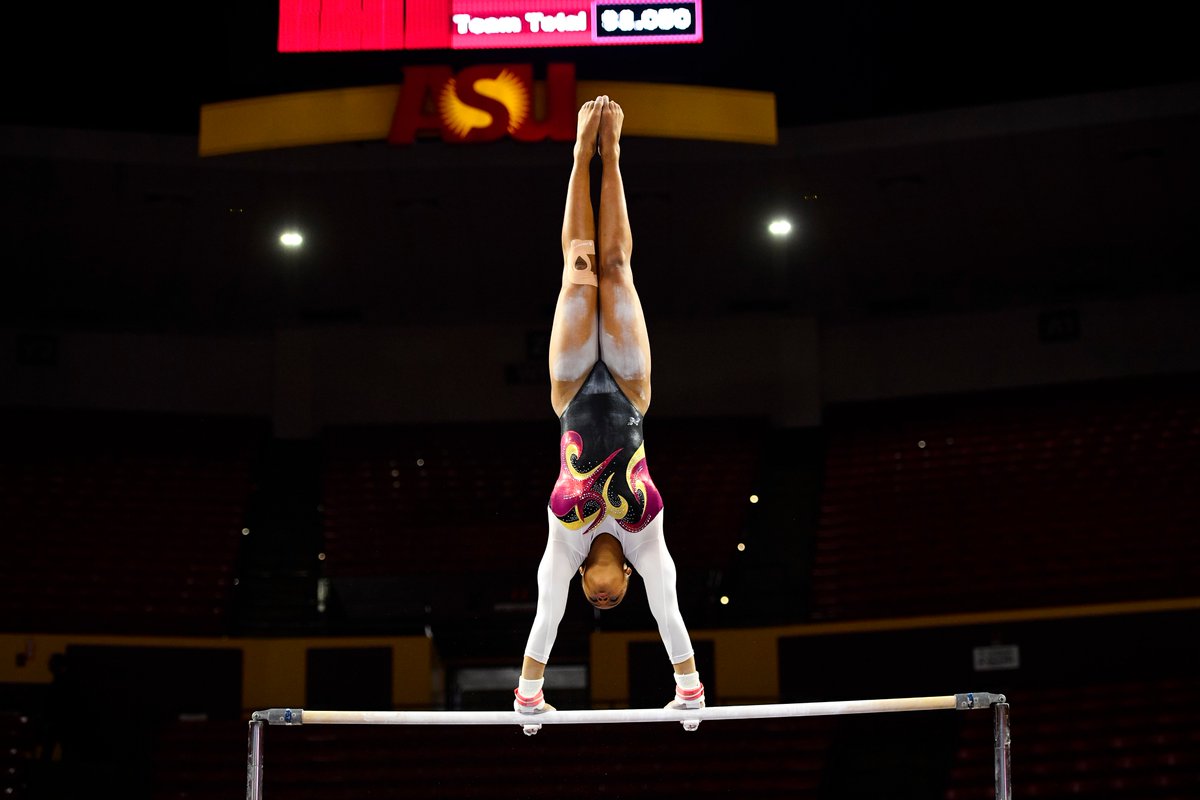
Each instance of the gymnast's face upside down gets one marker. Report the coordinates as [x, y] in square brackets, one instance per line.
[604, 575]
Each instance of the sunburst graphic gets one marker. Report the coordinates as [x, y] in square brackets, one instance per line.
[506, 88]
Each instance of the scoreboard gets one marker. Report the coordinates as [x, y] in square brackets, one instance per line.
[356, 25]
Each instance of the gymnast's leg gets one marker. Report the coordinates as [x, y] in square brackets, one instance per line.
[624, 340]
[573, 353]
[573, 344]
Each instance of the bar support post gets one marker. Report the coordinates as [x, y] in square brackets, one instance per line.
[1003, 742]
[254, 760]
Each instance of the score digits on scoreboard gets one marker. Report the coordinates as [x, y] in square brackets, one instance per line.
[637, 19]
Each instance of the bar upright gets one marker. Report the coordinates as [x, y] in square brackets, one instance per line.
[254, 760]
[1003, 740]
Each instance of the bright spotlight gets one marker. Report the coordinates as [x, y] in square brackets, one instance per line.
[291, 239]
[779, 227]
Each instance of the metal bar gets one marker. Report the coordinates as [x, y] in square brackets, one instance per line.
[299, 716]
[254, 760]
[690, 718]
[1003, 740]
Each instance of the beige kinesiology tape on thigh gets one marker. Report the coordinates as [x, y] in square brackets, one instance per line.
[579, 262]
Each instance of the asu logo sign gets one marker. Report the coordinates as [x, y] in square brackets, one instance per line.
[484, 103]
[481, 103]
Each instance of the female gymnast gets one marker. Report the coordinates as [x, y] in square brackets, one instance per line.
[605, 516]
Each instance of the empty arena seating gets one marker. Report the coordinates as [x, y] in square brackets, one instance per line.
[412, 517]
[200, 759]
[409, 509]
[1125, 738]
[19, 741]
[122, 523]
[707, 469]
[1040, 497]
[402, 499]
[1118, 739]
[131, 522]
[752, 759]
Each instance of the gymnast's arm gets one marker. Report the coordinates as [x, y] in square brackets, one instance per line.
[557, 568]
[555, 571]
[653, 562]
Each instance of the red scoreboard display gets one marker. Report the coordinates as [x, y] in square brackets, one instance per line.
[310, 26]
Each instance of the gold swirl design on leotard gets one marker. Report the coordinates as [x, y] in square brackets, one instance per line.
[575, 490]
[637, 477]
[616, 510]
[580, 501]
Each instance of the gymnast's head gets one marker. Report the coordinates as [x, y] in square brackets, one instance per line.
[604, 575]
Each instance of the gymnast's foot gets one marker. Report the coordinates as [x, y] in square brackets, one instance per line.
[611, 120]
[588, 126]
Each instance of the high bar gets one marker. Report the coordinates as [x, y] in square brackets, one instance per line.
[299, 716]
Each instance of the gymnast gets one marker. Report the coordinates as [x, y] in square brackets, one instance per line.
[605, 515]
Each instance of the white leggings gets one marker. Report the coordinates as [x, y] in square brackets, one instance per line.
[646, 551]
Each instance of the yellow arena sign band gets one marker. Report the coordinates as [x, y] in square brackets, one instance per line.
[480, 104]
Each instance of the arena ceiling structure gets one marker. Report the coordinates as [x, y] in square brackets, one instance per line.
[932, 157]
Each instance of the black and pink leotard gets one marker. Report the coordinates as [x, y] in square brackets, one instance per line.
[602, 460]
[604, 486]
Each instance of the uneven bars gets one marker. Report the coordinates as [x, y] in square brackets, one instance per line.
[299, 716]
[689, 718]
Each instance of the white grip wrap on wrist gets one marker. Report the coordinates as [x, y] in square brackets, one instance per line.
[529, 697]
[581, 249]
[689, 690]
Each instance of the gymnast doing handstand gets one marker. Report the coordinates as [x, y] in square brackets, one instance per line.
[605, 515]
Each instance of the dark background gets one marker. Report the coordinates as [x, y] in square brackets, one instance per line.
[148, 67]
[976, 223]
[938, 159]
